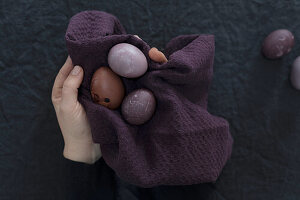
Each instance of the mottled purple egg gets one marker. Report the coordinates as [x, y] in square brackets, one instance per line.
[295, 73]
[278, 43]
[127, 60]
[139, 106]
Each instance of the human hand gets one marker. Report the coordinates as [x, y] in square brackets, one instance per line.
[71, 116]
[155, 54]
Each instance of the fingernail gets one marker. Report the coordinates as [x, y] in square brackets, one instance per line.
[75, 70]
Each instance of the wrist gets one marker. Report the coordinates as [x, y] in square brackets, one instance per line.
[81, 152]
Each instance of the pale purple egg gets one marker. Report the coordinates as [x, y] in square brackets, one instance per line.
[139, 106]
[127, 60]
[278, 43]
[295, 73]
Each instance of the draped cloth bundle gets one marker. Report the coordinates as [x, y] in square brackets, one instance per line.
[182, 143]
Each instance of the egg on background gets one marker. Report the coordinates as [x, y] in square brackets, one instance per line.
[295, 73]
[107, 88]
[138, 106]
[278, 43]
[127, 60]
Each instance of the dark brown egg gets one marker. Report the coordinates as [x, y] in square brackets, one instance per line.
[107, 88]
[138, 106]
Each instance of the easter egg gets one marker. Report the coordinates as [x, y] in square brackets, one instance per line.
[278, 43]
[138, 106]
[107, 88]
[295, 73]
[127, 60]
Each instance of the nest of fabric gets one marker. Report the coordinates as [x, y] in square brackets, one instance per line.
[182, 143]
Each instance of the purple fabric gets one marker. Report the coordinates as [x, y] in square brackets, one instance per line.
[182, 144]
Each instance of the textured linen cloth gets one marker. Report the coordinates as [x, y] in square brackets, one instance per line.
[182, 143]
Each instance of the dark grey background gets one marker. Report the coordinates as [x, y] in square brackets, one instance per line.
[253, 93]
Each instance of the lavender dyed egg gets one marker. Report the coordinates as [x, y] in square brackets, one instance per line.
[278, 43]
[127, 60]
[139, 106]
[295, 73]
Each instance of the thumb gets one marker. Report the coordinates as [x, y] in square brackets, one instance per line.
[70, 88]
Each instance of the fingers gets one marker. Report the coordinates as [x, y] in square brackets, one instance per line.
[70, 88]
[157, 56]
[60, 79]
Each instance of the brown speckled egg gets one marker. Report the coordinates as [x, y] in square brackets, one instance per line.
[107, 88]
[139, 106]
[278, 43]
